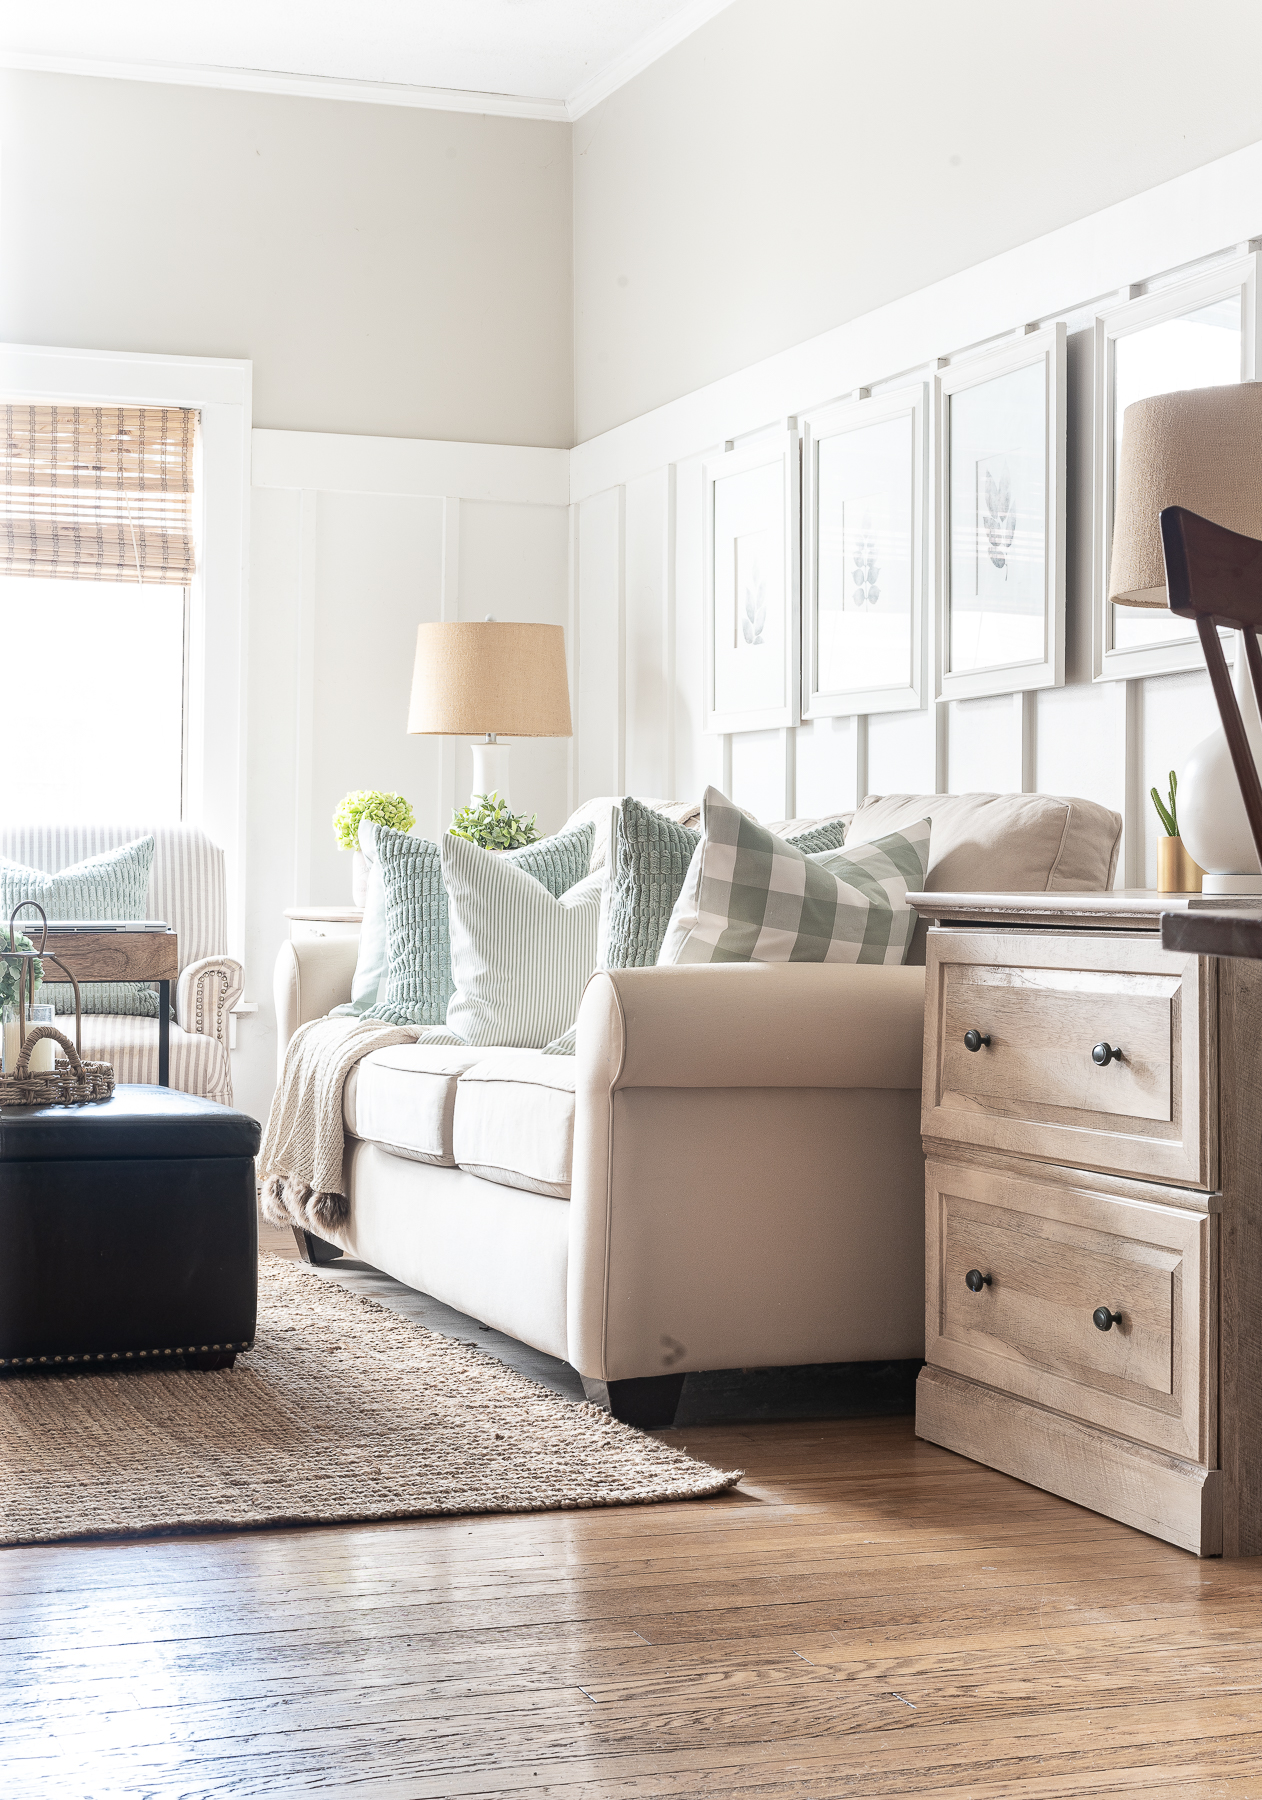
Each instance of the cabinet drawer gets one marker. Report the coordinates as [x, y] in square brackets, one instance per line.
[1036, 1005]
[1049, 1257]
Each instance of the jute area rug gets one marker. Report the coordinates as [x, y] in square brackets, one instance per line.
[342, 1410]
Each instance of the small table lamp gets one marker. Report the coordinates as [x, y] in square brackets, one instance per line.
[1200, 449]
[487, 679]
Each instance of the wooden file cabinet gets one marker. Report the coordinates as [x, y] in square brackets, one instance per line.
[1093, 1241]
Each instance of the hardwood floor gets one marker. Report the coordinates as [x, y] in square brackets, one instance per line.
[867, 1615]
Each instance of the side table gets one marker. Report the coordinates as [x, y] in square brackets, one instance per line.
[324, 921]
[1091, 1119]
[97, 953]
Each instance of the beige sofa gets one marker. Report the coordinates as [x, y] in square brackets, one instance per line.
[728, 1174]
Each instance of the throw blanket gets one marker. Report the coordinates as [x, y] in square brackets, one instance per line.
[301, 1156]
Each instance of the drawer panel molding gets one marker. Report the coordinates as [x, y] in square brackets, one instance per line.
[1100, 1307]
[1094, 1052]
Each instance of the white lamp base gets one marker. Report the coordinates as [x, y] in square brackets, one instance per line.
[1231, 884]
[490, 770]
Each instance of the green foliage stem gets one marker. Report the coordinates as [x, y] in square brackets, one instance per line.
[1168, 813]
[491, 824]
[11, 968]
[369, 803]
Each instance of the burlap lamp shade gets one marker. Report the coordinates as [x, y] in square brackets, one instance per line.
[486, 680]
[490, 678]
[1201, 449]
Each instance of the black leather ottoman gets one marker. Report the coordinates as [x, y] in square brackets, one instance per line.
[128, 1232]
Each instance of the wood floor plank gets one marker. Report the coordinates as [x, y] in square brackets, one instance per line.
[867, 1615]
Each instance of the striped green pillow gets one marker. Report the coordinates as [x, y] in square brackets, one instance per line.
[753, 897]
[520, 956]
[417, 983]
[113, 885]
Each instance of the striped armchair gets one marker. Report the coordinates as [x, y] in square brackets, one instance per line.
[187, 888]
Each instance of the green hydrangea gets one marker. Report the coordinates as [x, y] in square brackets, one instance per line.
[366, 803]
[491, 824]
[11, 967]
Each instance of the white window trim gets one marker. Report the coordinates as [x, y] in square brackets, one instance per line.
[220, 389]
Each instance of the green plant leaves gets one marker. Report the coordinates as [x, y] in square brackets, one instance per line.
[491, 824]
[370, 803]
[1168, 814]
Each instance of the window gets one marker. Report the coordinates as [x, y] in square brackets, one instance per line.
[96, 568]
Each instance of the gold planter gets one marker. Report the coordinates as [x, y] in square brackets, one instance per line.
[1176, 872]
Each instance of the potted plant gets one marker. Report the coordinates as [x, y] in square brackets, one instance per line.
[488, 821]
[381, 809]
[1176, 872]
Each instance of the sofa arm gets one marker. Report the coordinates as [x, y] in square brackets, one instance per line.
[721, 1025]
[205, 994]
[748, 1179]
[312, 976]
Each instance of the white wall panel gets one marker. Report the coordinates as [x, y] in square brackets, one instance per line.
[825, 767]
[1176, 712]
[759, 773]
[600, 724]
[647, 664]
[514, 566]
[901, 750]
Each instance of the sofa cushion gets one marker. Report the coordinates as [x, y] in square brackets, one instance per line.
[515, 1121]
[750, 896]
[403, 1098]
[1000, 843]
[520, 956]
[418, 982]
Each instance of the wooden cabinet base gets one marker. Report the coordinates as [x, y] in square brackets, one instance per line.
[1149, 1489]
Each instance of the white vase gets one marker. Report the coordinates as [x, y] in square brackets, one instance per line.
[1212, 819]
[359, 879]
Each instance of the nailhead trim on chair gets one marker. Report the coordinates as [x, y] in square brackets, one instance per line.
[13, 1362]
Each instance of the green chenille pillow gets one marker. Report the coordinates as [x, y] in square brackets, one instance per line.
[649, 857]
[417, 983]
[113, 885]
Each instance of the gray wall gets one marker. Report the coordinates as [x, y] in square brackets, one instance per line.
[388, 270]
[798, 162]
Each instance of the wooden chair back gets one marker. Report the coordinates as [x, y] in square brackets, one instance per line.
[1214, 576]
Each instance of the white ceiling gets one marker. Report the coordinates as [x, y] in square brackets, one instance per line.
[541, 58]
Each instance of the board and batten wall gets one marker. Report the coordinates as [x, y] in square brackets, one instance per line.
[354, 542]
[637, 608]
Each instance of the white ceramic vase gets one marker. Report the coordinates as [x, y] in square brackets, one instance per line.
[359, 879]
[1212, 820]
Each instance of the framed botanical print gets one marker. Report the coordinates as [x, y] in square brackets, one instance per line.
[752, 587]
[864, 555]
[999, 491]
[1198, 333]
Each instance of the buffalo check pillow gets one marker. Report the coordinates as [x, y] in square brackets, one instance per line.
[750, 896]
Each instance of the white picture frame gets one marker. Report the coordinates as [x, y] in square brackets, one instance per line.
[999, 518]
[1153, 642]
[752, 586]
[869, 657]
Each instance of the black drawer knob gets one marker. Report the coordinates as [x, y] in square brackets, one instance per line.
[1103, 1054]
[1104, 1320]
[973, 1040]
[975, 1281]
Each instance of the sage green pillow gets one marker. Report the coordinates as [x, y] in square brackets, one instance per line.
[113, 885]
[649, 858]
[417, 983]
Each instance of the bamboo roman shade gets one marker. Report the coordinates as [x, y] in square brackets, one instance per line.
[97, 493]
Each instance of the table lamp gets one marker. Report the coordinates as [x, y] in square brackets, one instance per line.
[486, 680]
[1201, 449]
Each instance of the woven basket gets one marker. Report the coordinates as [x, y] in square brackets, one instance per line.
[66, 1083]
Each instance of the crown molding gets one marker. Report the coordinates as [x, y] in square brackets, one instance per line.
[646, 50]
[638, 56]
[304, 87]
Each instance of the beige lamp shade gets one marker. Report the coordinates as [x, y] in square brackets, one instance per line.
[507, 680]
[1201, 449]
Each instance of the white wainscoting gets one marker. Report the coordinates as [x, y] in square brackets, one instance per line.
[637, 605]
[356, 541]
